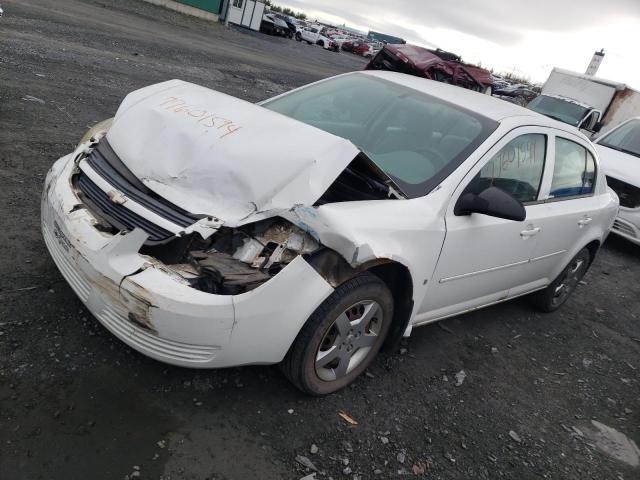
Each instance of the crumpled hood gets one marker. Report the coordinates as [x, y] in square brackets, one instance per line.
[210, 153]
[620, 165]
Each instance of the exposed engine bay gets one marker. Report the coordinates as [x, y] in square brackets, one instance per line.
[234, 260]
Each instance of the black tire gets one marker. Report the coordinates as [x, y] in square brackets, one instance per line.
[298, 36]
[558, 291]
[299, 365]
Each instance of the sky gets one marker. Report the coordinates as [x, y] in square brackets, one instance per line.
[526, 37]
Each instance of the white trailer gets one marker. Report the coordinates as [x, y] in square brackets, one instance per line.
[589, 103]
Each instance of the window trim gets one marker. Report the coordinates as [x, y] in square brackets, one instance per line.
[552, 166]
[495, 149]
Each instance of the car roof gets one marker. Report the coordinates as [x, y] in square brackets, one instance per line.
[480, 103]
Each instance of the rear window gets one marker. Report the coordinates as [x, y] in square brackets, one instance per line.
[574, 172]
[417, 139]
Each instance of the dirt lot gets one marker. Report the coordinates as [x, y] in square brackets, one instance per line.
[77, 403]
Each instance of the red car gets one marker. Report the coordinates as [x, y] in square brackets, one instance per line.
[432, 64]
[349, 45]
[360, 48]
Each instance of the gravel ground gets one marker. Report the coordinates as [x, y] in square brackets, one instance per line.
[77, 403]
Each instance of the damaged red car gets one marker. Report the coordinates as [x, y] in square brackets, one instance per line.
[434, 65]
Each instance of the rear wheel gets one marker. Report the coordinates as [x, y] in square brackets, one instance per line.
[554, 296]
[341, 338]
[298, 37]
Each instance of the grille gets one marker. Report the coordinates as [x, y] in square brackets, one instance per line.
[108, 165]
[622, 227]
[628, 194]
[117, 215]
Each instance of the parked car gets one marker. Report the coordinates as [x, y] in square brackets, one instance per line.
[499, 82]
[367, 50]
[371, 52]
[520, 94]
[619, 152]
[192, 236]
[290, 21]
[315, 34]
[349, 45]
[360, 48]
[339, 40]
[273, 25]
[432, 64]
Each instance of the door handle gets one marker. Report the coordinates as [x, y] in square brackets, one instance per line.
[530, 233]
[584, 221]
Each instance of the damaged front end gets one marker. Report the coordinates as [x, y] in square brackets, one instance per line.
[196, 250]
[234, 260]
[216, 203]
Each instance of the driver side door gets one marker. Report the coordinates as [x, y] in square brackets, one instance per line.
[484, 257]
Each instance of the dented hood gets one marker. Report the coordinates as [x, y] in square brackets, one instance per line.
[213, 154]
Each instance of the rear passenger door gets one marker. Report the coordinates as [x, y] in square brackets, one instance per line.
[570, 206]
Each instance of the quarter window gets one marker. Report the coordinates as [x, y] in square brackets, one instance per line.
[516, 169]
[574, 173]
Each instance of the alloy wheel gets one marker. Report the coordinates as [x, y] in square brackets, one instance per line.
[348, 340]
[570, 279]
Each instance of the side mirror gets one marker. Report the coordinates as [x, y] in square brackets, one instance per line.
[492, 202]
[597, 127]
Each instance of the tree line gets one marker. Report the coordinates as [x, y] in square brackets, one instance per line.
[285, 10]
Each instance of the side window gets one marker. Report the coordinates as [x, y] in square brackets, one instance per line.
[574, 173]
[517, 168]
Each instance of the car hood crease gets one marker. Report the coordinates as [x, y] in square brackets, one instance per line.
[213, 154]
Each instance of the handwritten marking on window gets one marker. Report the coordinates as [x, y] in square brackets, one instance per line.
[520, 154]
[200, 115]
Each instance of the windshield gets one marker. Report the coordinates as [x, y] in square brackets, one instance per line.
[416, 139]
[558, 109]
[625, 138]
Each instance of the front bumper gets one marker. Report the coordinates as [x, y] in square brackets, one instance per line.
[627, 224]
[152, 310]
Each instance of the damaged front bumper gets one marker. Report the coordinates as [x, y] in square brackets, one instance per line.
[156, 312]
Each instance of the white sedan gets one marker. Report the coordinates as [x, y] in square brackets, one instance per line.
[619, 151]
[193, 236]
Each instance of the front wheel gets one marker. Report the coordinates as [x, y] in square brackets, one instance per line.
[342, 336]
[554, 296]
[298, 37]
